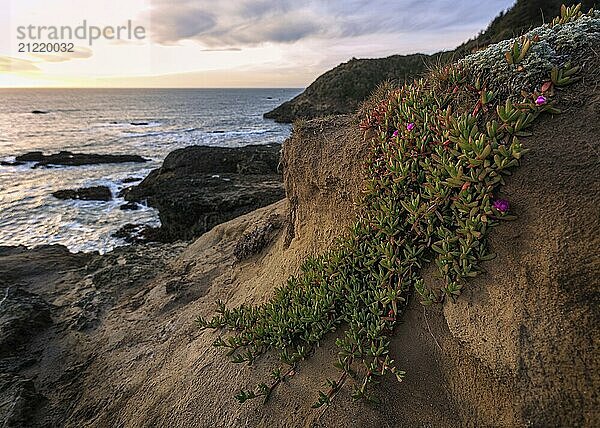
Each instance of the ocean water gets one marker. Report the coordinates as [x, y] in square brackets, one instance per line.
[99, 121]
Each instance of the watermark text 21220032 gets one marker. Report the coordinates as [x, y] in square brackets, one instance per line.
[57, 36]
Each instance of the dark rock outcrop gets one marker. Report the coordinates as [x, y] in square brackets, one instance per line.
[39, 112]
[253, 242]
[130, 206]
[342, 89]
[199, 187]
[20, 400]
[67, 158]
[5, 163]
[131, 180]
[95, 193]
[135, 233]
[31, 157]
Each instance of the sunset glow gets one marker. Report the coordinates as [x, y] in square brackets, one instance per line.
[248, 43]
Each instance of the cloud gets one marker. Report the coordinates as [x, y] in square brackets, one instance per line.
[244, 23]
[221, 50]
[226, 24]
[79, 52]
[14, 65]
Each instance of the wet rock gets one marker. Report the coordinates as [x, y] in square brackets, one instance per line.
[131, 180]
[67, 158]
[133, 233]
[5, 163]
[31, 157]
[95, 193]
[130, 206]
[199, 187]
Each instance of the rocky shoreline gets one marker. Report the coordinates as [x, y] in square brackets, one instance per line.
[52, 301]
[195, 189]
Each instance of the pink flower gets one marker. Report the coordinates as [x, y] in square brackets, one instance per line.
[501, 205]
[541, 100]
[410, 126]
[395, 134]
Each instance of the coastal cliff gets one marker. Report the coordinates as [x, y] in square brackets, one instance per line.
[342, 89]
[116, 345]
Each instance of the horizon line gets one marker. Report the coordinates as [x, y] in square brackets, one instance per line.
[151, 87]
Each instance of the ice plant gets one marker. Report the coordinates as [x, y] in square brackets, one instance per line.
[501, 205]
[422, 203]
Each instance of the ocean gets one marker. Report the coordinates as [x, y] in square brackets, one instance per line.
[100, 121]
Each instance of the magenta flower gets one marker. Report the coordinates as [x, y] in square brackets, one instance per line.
[395, 134]
[541, 100]
[501, 205]
[410, 126]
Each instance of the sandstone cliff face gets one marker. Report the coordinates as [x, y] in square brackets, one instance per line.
[323, 176]
[522, 340]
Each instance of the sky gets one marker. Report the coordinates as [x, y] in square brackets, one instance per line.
[220, 43]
